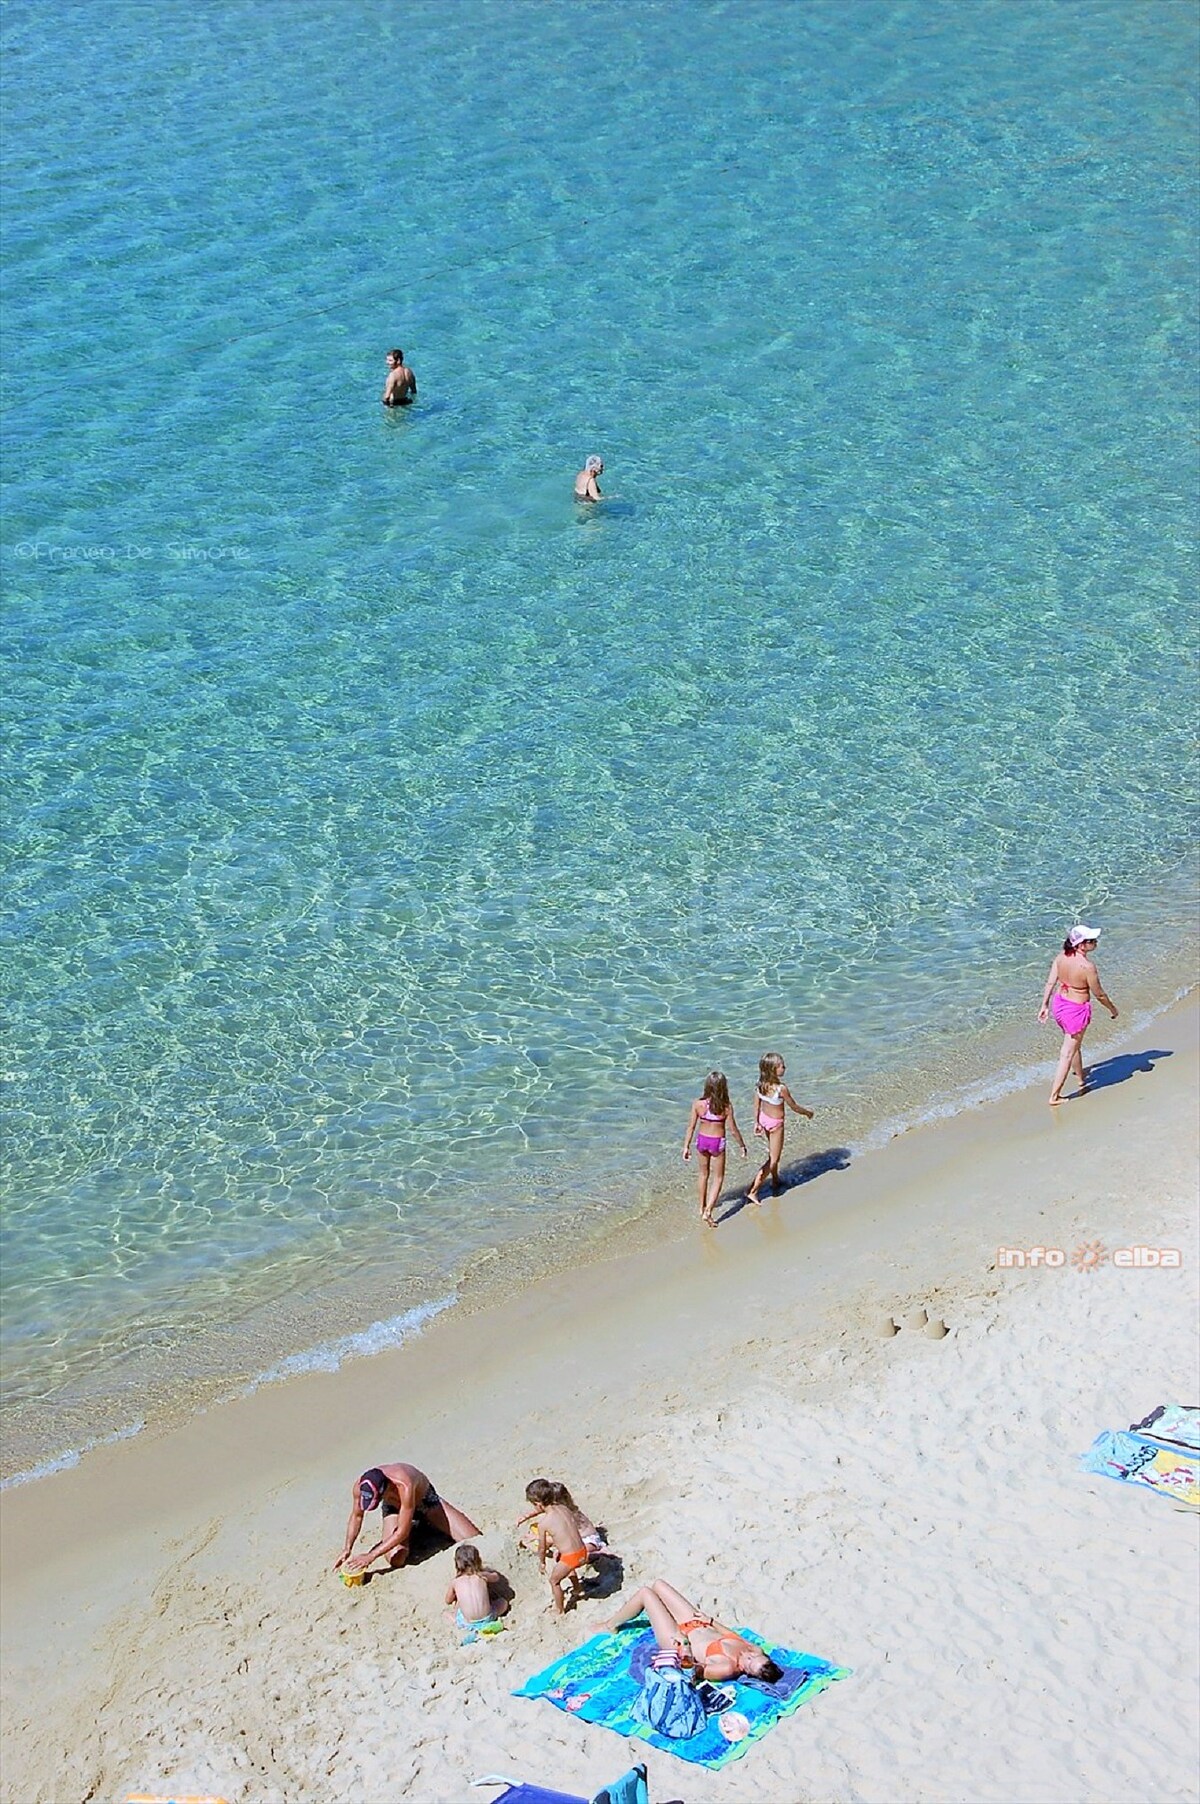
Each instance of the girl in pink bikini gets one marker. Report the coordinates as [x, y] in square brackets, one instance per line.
[1074, 980]
[770, 1100]
[707, 1121]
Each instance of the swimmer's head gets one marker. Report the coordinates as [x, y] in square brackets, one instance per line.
[395, 358]
[466, 1558]
[371, 1487]
[594, 466]
[716, 1091]
[1081, 937]
[770, 1069]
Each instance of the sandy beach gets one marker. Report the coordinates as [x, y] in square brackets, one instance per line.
[909, 1507]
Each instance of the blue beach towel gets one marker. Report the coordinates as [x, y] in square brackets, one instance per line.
[1136, 1459]
[601, 1682]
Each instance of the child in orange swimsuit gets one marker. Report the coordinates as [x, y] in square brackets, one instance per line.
[542, 1491]
[770, 1100]
[709, 1115]
[559, 1537]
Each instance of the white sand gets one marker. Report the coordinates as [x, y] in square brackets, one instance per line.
[910, 1508]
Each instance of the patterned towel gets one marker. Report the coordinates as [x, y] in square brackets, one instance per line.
[1136, 1459]
[1175, 1422]
[601, 1682]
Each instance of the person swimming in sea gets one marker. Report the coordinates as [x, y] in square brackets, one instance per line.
[1074, 980]
[707, 1121]
[401, 385]
[586, 486]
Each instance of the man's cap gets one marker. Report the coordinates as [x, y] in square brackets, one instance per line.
[371, 1487]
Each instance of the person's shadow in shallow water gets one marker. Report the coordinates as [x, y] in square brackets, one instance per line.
[1122, 1066]
[800, 1171]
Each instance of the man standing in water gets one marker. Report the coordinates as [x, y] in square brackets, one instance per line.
[406, 1497]
[401, 385]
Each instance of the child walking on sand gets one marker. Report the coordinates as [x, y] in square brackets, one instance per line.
[707, 1121]
[474, 1590]
[559, 1539]
[541, 1492]
[770, 1100]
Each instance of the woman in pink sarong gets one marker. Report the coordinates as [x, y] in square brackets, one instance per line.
[1074, 980]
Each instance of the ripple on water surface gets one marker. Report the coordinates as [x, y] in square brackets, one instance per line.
[395, 845]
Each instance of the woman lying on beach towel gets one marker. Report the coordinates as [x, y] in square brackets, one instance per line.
[715, 1652]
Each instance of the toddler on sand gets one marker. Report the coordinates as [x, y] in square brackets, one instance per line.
[564, 1531]
[543, 1491]
[474, 1590]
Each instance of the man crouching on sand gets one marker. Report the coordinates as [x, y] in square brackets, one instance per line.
[406, 1496]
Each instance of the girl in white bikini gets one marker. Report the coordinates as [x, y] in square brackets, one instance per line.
[707, 1120]
[770, 1100]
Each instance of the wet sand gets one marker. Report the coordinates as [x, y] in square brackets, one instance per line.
[909, 1507]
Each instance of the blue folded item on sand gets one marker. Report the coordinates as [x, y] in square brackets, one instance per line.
[630, 1788]
[536, 1794]
[601, 1682]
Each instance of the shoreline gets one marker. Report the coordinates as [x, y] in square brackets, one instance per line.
[679, 1352]
[659, 1207]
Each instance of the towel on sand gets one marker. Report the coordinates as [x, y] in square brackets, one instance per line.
[601, 1682]
[1178, 1423]
[1138, 1460]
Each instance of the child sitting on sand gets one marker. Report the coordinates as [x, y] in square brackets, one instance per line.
[475, 1590]
[561, 1528]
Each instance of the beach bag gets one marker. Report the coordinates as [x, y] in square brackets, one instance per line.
[670, 1703]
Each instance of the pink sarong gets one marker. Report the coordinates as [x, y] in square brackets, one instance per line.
[1072, 1017]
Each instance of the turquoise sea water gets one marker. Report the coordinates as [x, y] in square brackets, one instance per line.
[393, 845]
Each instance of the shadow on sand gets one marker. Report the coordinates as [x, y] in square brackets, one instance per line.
[1121, 1067]
[423, 1544]
[610, 1576]
[799, 1171]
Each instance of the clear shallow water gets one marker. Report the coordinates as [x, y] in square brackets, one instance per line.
[393, 846]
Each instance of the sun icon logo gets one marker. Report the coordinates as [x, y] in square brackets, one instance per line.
[1088, 1255]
